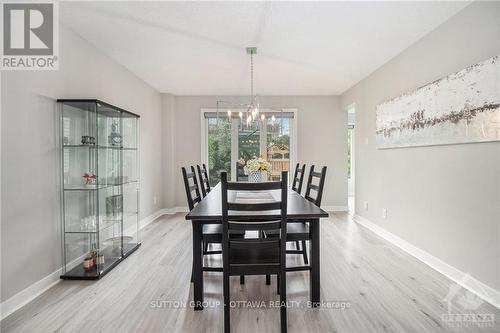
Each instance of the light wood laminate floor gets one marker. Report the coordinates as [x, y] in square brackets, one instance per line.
[387, 290]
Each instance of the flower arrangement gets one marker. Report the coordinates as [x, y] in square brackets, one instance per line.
[255, 165]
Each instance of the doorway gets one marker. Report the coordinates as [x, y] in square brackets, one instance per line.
[351, 161]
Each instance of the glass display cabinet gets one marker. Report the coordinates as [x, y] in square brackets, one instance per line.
[100, 187]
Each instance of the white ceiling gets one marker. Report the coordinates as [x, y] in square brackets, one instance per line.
[304, 48]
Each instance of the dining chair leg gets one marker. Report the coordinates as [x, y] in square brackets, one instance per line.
[197, 266]
[297, 245]
[304, 252]
[283, 319]
[278, 284]
[314, 274]
[242, 279]
[205, 247]
[227, 309]
[268, 279]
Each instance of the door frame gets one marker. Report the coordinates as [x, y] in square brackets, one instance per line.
[351, 182]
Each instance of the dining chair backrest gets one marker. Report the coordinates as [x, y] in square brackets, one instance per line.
[254, 204]
[259, 222]
[298, 178]
[191, 186]
[316, 183]
[204, 181]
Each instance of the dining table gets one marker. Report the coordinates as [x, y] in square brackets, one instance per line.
[299, 210]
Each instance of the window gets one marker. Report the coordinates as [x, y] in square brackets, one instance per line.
[219, 148]
[278, 146]
[227, 140]
[248, 141]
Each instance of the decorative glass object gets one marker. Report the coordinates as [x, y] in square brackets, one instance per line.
[100, 191]
[258, 176]
[115, 138]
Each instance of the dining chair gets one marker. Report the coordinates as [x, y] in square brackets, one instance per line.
[298, 231]
[318, 187]
[298, 178]
[253, 256]
[212, 233]
[314, 194]
[204, 181]
[191, 186]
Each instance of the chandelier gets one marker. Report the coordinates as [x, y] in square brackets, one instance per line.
[252, 115]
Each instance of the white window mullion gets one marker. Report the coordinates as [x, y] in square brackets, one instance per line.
[263, 139]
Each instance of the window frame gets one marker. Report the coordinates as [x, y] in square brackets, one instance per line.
[234, 136]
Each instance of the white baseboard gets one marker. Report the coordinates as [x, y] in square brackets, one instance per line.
[28, 294]
[147, 220]
[178, 209]
[484, 291]
[335, 208]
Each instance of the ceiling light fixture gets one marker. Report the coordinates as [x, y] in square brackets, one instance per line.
[252, 108]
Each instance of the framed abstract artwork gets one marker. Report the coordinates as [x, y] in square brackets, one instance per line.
[462, 107]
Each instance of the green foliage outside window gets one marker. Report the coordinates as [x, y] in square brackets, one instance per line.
[219, 149]
[276, 136]
[219, 144]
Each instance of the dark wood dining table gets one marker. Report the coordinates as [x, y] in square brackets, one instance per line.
[209, 211]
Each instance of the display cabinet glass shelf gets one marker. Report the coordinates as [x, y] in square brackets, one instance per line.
[100, 186]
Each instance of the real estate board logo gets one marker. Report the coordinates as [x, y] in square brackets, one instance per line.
[464, 307]
[30, 36]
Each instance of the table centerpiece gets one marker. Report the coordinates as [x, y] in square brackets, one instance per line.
[256, 169]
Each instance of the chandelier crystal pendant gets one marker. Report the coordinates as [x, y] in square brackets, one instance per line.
[253, 107]
[253, 114]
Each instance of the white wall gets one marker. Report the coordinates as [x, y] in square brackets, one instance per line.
[30, 234]
[442, 199]
[322, 137]
[169, 166]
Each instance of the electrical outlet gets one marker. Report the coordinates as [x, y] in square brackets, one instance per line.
[384, 213]
[366, 205]
[155, 200]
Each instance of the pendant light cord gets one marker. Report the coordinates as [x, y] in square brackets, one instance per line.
[251, 78]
